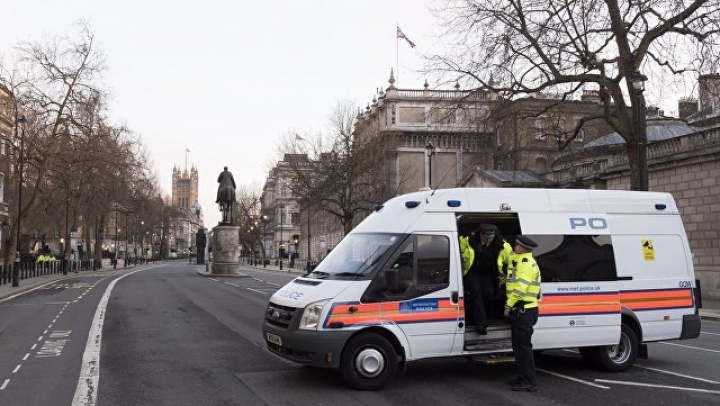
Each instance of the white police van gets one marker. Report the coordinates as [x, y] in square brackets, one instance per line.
[616, 273]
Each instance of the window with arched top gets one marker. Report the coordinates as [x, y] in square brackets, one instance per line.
[2, 187]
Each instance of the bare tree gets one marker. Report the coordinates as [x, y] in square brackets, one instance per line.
[342, 175]
[529, 47]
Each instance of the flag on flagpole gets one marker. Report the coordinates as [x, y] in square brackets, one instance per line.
[187, 149]
[299, 138]
[402, 35]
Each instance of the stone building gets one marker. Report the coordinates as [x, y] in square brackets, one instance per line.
[185, 187]
[188, 217]
[7, 128]
[440, 135]
[280, 202]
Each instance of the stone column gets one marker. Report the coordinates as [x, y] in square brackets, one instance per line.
[226, 250]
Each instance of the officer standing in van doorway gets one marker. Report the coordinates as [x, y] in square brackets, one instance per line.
[491, 253]
[523, 291]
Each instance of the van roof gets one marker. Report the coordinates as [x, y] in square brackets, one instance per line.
[494, 200]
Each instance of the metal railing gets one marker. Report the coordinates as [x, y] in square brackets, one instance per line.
[28, 270]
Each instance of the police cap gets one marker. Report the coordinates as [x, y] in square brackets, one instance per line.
[525, 242]
[488, 229]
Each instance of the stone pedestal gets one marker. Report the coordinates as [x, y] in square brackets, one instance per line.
[226, 250]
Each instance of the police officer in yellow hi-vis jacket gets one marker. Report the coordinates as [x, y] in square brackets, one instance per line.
[523, 291]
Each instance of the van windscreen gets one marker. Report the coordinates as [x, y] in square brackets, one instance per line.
[356, 256]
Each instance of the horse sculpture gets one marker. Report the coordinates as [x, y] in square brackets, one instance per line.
[226, 196]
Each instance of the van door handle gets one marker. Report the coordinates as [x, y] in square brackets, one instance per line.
[454, 297]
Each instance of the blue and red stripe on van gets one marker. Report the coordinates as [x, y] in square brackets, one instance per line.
[571, 304]
[353, 314]
[412, 311]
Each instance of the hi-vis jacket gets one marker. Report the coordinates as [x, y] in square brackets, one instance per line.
[523, 281]
[467, 254]
[503, 257]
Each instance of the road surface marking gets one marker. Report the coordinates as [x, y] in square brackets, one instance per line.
[33, 347]
[17, 368]
[5, 384]
[713, 334]
[573, 379]
[232, 284]
[650, 385]
[40, 338]
[213, 279]
[690, 347]
[678, 374]
[258, 291]
[26, 357]
[89, 379]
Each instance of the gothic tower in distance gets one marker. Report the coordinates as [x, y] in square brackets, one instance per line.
[184, 187]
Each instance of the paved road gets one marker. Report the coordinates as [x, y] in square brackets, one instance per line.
[173, 337]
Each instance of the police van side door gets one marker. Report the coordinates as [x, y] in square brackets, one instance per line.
[418, 293]
[580, 304]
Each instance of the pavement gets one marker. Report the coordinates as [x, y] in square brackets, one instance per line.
[709, 311]
[25, 285]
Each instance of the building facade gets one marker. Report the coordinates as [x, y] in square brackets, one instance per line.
[280, 203]
[7, 129]
[187, 218]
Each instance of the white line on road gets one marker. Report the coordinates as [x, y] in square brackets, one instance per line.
[5, 384]
[650, 385]
[689, 346]
[678, 374]
[88, 382]
[232, 284]
[17, 368]
[26, 356]
[45, 332]
[712, 334]
[258, 291]
[40, 338]
[213, 279]
[33, 347]
[269, 283]
[573, 379]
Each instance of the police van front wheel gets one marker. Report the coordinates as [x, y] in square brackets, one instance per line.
[614, 358]
[368, 362]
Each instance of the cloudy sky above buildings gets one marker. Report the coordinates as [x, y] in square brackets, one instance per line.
[228, 79]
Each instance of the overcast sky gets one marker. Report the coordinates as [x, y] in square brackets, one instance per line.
[227, 79]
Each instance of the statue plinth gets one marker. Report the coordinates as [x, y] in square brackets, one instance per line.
[225, 250]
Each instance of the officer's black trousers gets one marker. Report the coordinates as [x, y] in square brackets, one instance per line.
[522, 330]
[474, 304]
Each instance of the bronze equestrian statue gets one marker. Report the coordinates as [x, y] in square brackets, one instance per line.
[226, 196]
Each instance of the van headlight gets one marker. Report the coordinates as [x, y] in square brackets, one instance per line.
[311, 316]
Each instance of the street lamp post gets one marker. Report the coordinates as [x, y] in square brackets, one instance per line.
[282, 209]
[264, 224]
[638, 80]
[16, 269]
[429, 150]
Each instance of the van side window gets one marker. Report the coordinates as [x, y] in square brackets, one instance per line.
[575, 258]
[420, 266]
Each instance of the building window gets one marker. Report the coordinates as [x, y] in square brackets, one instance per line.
[3, 137]
[2, 187]
[295, 219]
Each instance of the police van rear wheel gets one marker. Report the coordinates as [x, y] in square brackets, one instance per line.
[614, 358]
[368, 362]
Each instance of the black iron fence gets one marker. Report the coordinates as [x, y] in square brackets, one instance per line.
[29, 270]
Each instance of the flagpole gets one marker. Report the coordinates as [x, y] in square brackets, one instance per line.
[397, 55]
[186, 152]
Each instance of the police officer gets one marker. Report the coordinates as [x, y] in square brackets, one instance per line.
[523, 291]
[491, 253]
